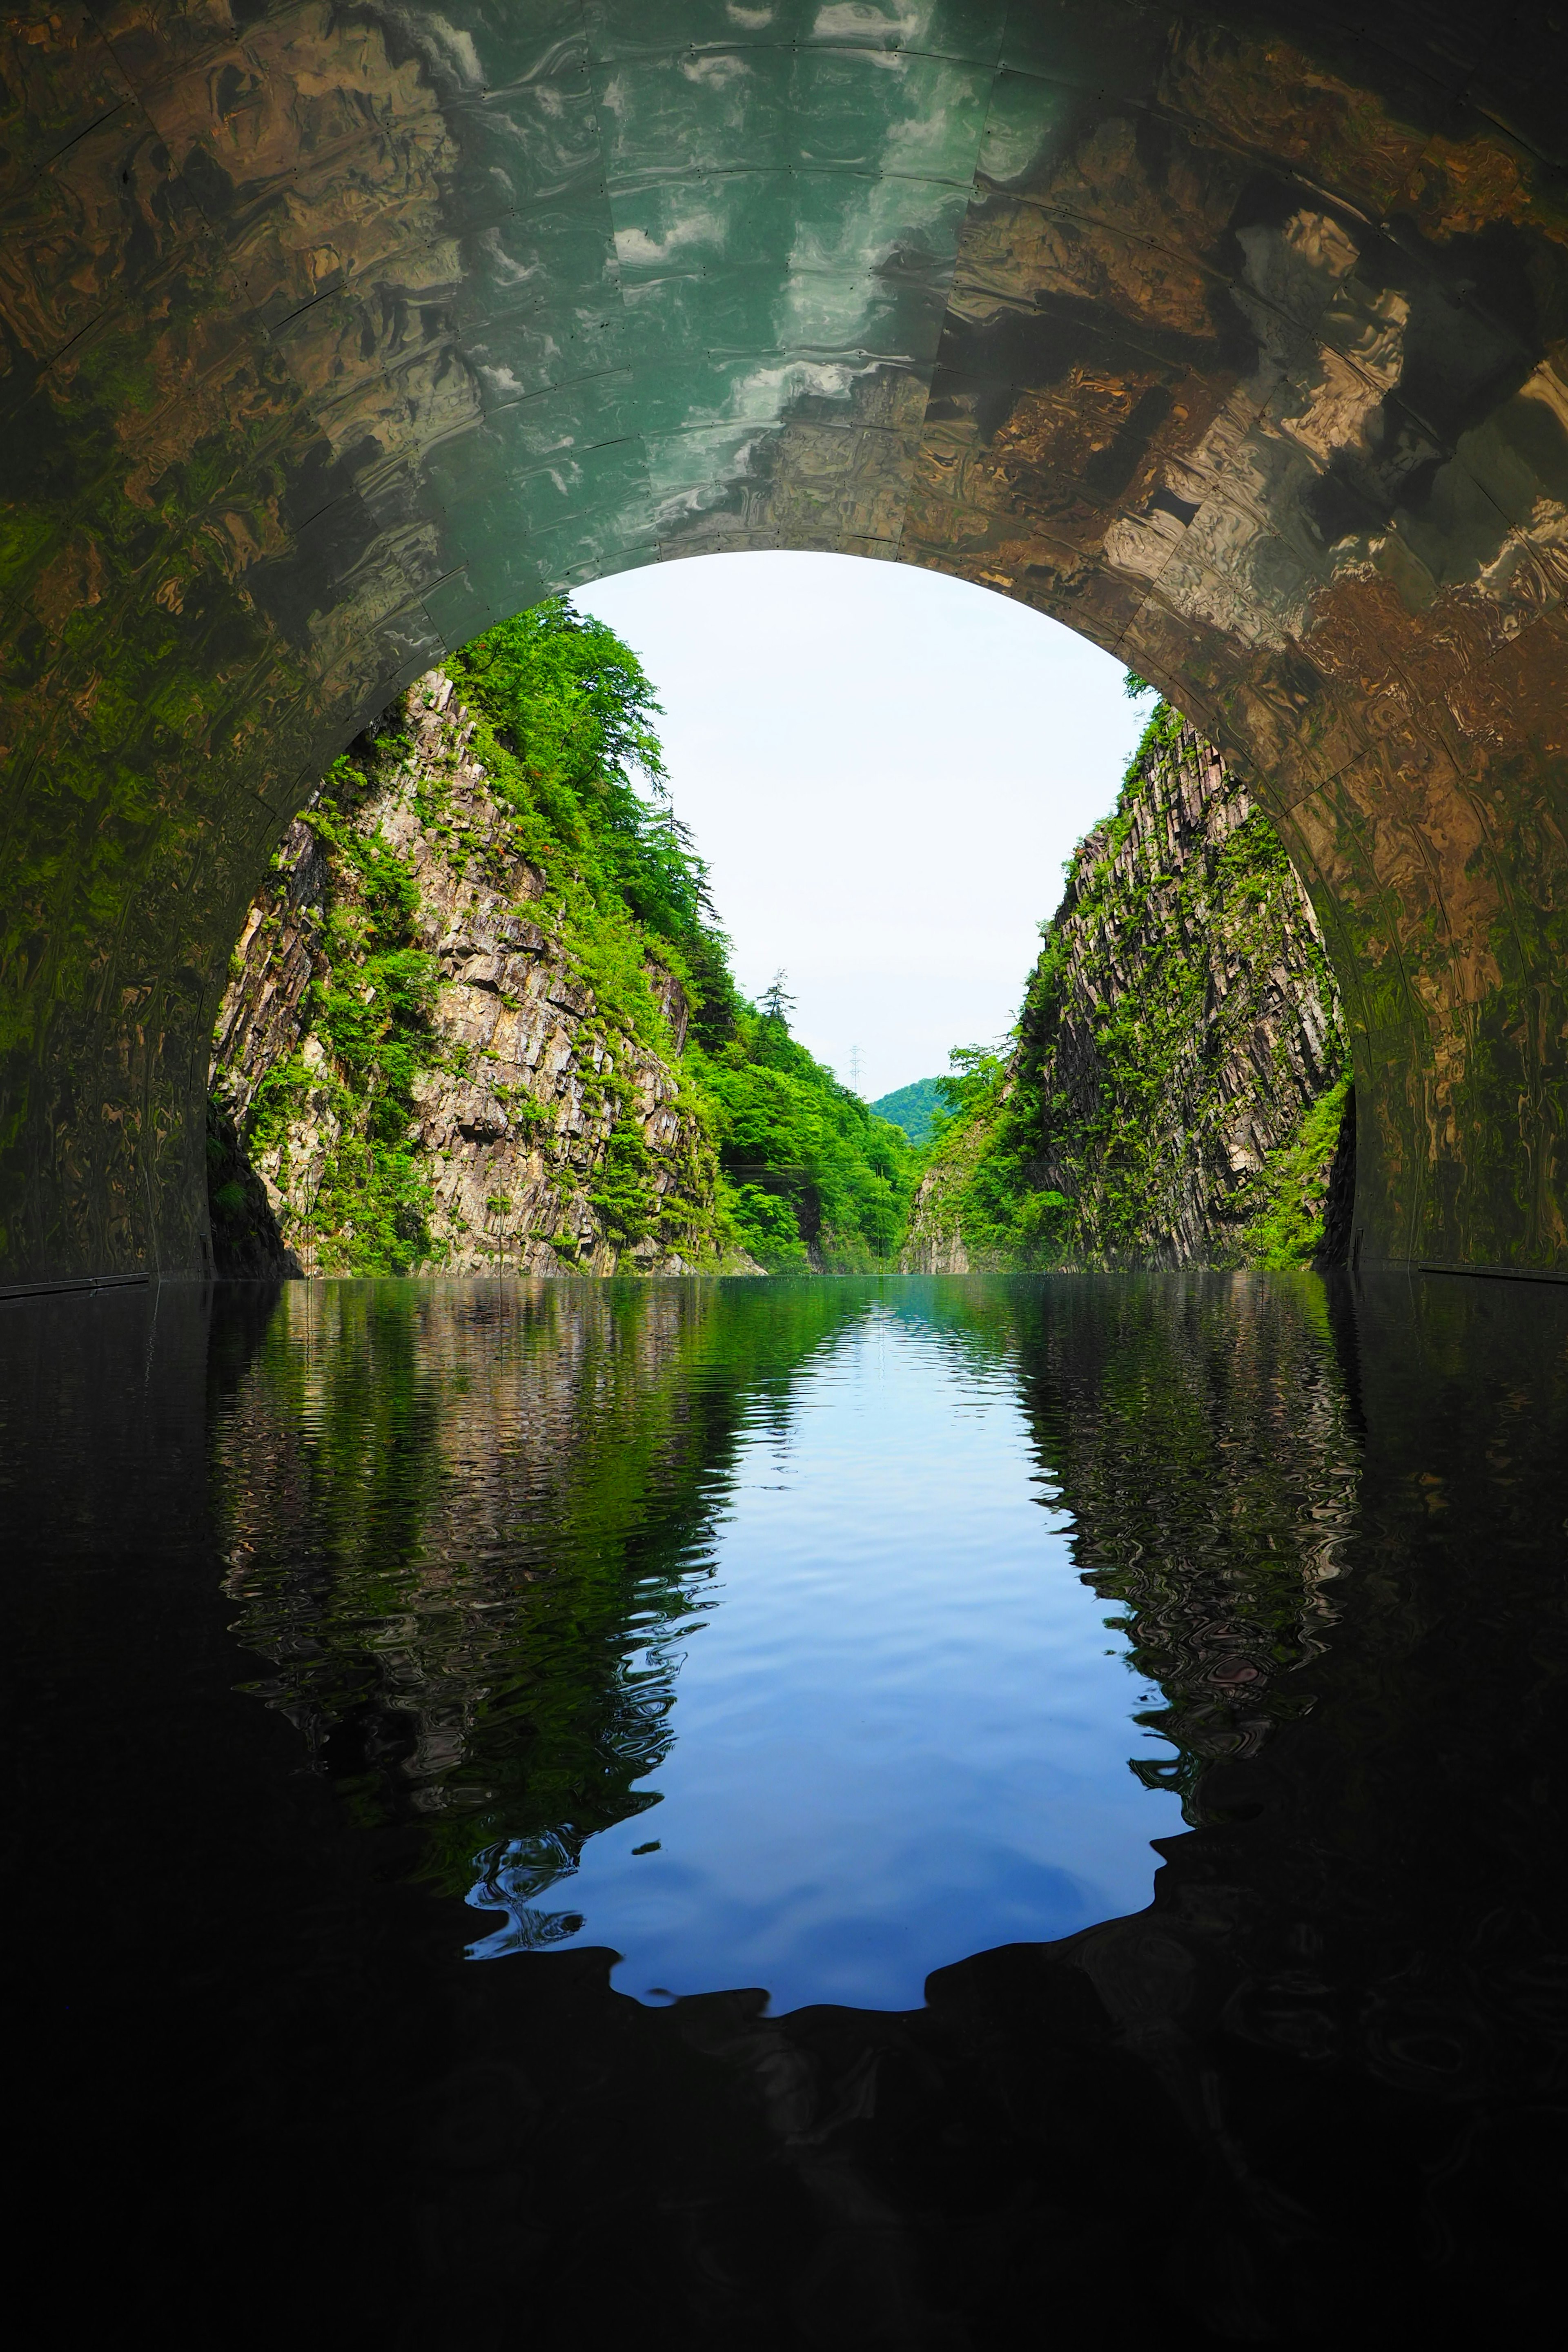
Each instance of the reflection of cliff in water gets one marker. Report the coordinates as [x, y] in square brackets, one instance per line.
[1202, 1436]
[465, 1524]
[1313, 2091]
[469, 1526]
[1201, 1431]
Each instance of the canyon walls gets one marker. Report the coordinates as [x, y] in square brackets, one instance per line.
[1235, 337]
[427, 1062]
[1178, 1086]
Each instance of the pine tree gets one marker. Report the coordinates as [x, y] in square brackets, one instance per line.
[777, 1003]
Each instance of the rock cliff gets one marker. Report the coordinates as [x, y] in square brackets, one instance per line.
[420, 1063]
[1177, 1089]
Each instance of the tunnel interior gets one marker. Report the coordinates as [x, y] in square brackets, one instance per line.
[1235, 337]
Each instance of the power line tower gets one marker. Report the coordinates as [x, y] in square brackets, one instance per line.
[855, 1069]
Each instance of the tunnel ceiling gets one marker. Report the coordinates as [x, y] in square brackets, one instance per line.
[1232, 336]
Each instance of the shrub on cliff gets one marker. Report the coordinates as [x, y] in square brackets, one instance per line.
[572, 708]
[558, 787]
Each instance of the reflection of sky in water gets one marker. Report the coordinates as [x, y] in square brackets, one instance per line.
[901, 1735]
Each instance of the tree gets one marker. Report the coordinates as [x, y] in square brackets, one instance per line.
[571, 703]
[977, 1076]
[777, 1003]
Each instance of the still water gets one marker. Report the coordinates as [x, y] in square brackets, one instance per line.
[796, 1813]
[903, 1736]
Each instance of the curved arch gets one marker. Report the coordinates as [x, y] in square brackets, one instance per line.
[1231, 336]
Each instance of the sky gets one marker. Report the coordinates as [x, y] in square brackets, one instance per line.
[885, 769]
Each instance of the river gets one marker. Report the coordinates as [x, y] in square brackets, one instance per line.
[792, 1812]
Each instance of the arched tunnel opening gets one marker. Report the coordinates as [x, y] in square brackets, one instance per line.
[1232, 336]
[497, 1008]
[922, 1948]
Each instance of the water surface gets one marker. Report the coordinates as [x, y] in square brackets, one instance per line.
[903, 1733]
[837, 1812]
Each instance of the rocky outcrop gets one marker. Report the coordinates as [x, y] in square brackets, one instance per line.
[937, 1241]
[1176, 1095]
[503, 1113]
[245, 1241]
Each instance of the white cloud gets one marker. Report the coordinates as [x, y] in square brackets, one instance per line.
[501, 380]
[635, 248]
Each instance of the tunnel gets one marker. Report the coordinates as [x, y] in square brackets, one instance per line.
[1233, 337]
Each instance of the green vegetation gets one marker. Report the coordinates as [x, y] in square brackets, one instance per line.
[371, 1006]
[1066, 1151]
[1106, 1135]
[914, 1107]
[809, 1176]
[791, 1170]
[1284, 1204]
[566, 730]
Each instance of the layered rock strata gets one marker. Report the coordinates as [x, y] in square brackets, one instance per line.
[543, 1135]
[1174, 1097]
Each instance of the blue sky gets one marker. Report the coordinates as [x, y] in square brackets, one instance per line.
[886, 770]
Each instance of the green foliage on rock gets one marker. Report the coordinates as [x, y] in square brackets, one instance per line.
[1284, 1205]
[568, 718]
[808, 1177]
[371, 1008]
[775, 1163]
[1164, 1023]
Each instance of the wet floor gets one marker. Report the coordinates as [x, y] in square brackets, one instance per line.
[823, 1814]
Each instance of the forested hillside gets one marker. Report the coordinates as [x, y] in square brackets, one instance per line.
[483, 1015]
[916, 1108]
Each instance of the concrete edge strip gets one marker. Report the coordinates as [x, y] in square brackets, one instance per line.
[1495, 1273]
[83, 1282]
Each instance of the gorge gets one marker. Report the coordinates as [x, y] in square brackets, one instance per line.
[482, 1020]
[1231, 336]
[648, 1707]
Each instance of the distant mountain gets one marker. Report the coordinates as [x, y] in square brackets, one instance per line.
[913, 1108]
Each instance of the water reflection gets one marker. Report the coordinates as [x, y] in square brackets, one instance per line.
[465, 1522]
[1203, 1434]
[1313, 2084]
[902, 1732]
[475, 1528]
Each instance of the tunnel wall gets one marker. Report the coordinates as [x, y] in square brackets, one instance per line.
[1233, 337]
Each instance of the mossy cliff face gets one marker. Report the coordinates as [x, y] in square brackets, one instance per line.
[1176, 1092]
[430, 1059]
